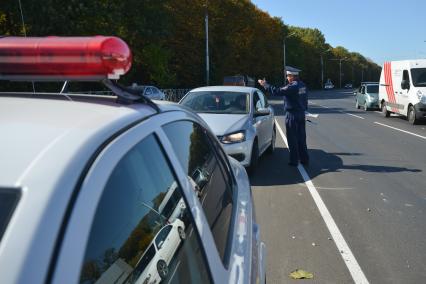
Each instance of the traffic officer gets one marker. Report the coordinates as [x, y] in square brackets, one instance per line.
[295, 104]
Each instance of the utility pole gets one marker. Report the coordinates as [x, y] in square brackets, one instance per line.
[207, 46]
[322, 68]
[340, 69]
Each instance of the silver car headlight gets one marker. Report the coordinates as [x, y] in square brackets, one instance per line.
[235, 137]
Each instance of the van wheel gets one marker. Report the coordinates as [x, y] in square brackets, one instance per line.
[182, 234]
[357, 104]
[162, 269]
[254, 158]
[385, 112]
[412, 115]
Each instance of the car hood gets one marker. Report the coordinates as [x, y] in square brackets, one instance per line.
[222, 124]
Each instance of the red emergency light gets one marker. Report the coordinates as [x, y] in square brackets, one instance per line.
[63, 58]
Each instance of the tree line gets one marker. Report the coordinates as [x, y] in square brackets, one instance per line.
[167, 39]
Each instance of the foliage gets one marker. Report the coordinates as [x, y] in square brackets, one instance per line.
[167, 38]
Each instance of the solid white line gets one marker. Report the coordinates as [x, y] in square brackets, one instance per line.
[346, 253]
[411, 133]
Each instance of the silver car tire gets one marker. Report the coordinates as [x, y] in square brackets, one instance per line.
[182, 234]
[271, 147]
[357, 104]
[254, 159]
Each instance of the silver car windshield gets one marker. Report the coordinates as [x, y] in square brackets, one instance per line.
[218, 102]
[373, 89]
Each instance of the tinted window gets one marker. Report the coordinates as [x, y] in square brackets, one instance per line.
[198, 157]
[257, 102]
[373, 89]
[128, 223]
[419, 77]
[8, 199]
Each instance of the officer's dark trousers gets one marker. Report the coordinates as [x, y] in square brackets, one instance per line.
[296, 136]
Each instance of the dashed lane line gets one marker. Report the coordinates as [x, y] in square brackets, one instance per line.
[408, 132]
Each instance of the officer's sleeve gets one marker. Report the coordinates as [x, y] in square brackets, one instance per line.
[288, 90]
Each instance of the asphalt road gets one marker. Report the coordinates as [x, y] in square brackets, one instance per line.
[370, 177]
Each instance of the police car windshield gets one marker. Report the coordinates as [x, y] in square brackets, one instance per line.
[419, 77]
[8, 200]
[223, 102]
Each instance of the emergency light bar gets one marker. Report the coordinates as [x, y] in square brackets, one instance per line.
[63, 58]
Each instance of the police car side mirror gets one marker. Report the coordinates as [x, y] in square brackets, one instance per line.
[405, 85]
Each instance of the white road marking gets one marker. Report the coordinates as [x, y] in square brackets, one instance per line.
[353, 115]
[357, 116]
[378, 111]
[408, 132]
[334, 188]
[346, 253]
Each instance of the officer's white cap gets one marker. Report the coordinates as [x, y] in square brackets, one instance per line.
[289, 70]
[296, 73]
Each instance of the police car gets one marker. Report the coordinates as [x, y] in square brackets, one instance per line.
[83, 179]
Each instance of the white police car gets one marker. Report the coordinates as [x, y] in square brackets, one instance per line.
[82, 179]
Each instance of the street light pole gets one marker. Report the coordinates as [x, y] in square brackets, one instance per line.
[340, 70]
[322, 68]
[284, 55]
[207, 47]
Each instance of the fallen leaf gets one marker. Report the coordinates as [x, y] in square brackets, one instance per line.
[301, 274]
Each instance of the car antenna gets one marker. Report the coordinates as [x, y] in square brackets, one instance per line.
[128, 95]
[64, 87]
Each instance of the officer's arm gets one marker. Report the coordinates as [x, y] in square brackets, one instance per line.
[288, 90]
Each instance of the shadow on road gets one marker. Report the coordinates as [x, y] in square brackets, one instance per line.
[273, 169]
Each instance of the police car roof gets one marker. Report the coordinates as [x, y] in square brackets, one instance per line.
[225, 88]
[49, 133]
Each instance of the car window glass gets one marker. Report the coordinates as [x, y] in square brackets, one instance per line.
[130, 221]
[263, 99]
[363, 90]
[195, 151]
[262, 103]
[257, 103]
[148, 91]
[9, 198]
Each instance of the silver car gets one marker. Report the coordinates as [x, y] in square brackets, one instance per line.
[367, 96]
[150, 92]
[240, 117]
[89, 183]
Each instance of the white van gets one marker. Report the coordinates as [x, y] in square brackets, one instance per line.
[402, 89]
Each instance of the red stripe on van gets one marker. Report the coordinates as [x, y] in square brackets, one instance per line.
[389, 87]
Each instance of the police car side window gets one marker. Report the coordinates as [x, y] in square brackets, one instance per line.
[257, 102]
[133, 238]
[262, 99]
[198, 157]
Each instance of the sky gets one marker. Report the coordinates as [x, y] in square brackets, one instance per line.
[381, 30]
